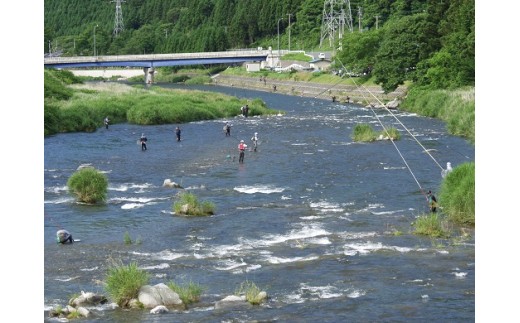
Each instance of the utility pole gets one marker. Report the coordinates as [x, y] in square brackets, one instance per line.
[118, 23]
[377, 22]
[95, 40]
[360, 17]
[289, 30]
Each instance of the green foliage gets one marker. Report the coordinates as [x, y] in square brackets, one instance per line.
[54, 88]
[457, 194]
[251, 291]
[189, 293]
[359, 50]
[88, 185]
[123, 282]
[188, 204]
[363, 132]
[430, 225]
[455, 107]
[199, 80]
[51, 119]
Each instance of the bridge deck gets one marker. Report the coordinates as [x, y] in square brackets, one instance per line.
[158, 60]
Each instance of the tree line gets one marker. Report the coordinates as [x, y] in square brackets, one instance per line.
[429, 42]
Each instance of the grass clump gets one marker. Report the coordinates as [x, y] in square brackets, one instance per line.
[124, 281]
[88, 185]
[251, 291]
[364, 132]
[457, 194]
[391, 133]
[188, 204]
[430, 225]
[188, 293]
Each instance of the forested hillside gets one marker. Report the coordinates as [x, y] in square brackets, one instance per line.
[429, 42]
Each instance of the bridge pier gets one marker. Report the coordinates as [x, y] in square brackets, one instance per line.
[148, 75]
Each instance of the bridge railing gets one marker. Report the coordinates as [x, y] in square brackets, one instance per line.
[154, 57]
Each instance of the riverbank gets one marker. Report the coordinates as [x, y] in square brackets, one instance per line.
[341, 93]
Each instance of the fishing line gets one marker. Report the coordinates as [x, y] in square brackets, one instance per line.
[391, 140]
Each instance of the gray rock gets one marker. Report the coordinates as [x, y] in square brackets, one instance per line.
[159, 310]
[160, 294]
[232, 301]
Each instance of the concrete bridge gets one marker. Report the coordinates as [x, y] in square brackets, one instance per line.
[150, 62]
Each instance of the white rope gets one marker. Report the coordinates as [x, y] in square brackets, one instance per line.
[386, 131]
[424, 149]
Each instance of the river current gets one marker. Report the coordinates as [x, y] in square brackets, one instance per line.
[321, 223]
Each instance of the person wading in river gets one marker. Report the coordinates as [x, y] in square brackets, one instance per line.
[241, 147]
[63, 237]
[143, 141]
[432, 201]
[178, 133]
[254, 139]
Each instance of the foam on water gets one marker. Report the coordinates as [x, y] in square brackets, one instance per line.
[280, 260]
[160, 266]
[259, 188]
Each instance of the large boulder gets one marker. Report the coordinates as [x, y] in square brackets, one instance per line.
[160, 294]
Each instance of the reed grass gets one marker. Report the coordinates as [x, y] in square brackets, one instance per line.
[430, 225]
[88, 185]
[363, 132]
[251, 292]
[457, 194]
[188, 204]
[455, 107]
[124, 281]
[189, 293]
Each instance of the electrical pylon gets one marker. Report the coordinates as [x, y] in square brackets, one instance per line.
[118, 24]
[336, 14]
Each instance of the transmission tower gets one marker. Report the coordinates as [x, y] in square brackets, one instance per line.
[118, 24]
[336, 14]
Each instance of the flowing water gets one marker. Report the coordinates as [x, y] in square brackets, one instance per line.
[311, 217]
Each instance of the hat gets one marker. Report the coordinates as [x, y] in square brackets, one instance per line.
[256, 133]
[241, 141]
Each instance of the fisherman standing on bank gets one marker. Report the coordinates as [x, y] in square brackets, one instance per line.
[254, 139]
[241, 147]
[143, 141]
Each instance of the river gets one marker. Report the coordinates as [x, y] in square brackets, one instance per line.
[321, 223]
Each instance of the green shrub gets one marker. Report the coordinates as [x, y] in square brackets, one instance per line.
[88, 185]
[189, 293]
[52, 118]
[457, 194]
[123, 282]
[364, 132]
[251, 292]
[53, 88]
[430, 225]
[188, 204]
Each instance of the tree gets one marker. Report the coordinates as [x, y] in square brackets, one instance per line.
[405, 42]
